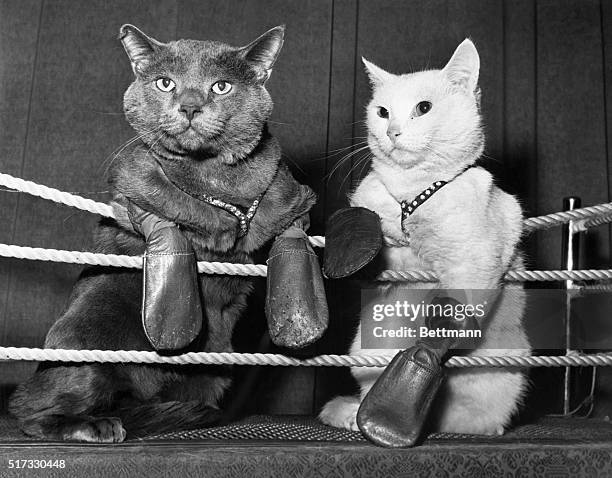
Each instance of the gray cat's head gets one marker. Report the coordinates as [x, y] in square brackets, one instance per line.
[199, 97]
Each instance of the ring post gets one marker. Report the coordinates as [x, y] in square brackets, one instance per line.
[570, 252]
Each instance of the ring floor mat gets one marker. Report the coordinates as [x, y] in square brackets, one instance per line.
[301, 446]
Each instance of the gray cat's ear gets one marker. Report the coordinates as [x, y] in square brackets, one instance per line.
[464, 66]
[376, 74]
[262, 53]
[138, 46]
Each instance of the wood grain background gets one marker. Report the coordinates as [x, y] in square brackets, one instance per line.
[546, 80]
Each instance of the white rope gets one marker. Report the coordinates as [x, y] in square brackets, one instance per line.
[538, 222]
[79, 202]
[260, 270]
[556, 275]
[603, 286]
[56, 195]
[557, 218]
[232, 358]
[589, 217]
[113, 260]
[585, 224]
[511, 276]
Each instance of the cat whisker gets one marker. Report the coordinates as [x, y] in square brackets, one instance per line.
[343, 160]
[365, 163]
[335, 152]
[459, 149]
[105, 113]
[112, 156]
[157, 140]
[356, 164]
[293, 162]
[439, 154]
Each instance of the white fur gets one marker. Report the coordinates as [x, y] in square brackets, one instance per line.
[466, 233]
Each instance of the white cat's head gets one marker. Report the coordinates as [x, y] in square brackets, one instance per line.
[429, 118]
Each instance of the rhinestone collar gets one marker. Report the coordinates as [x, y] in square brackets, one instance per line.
[408, 207]
[244, 218]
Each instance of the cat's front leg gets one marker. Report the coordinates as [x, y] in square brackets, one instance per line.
[145, 184]
[171, 308]
[120, 211]
[296, 304]
[470, 236]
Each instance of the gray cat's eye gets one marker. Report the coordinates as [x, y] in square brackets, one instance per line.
[165, 84]
[221, 87]
[382, 112]
[422, 108]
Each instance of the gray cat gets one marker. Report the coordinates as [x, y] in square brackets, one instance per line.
[200, 111]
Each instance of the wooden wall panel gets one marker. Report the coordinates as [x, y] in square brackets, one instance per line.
[19, 24]
[519, 101]
[571, 136]
[606, 32]
[340, 140]
[345, 63]
[603, 402]
[519, 106]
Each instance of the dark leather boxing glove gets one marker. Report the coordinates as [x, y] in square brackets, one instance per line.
[171, 308]
[394, 411]
[353, 238]
[296, 305]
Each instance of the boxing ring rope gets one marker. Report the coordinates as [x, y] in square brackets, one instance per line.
[231, 358]
[581, 219]
[260, 270]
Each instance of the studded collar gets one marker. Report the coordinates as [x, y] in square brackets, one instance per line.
[244, 218]
[409, 207]
[243, 215]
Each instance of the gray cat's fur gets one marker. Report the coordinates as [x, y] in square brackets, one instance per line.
[225, 151]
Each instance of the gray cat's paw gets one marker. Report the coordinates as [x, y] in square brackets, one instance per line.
[97, 430]
[341, 412]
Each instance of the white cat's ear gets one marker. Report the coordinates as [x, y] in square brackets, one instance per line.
[263, 52]
[376, 74]
[138, 46]
[464, 66]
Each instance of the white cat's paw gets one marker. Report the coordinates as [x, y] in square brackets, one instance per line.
[498, 431]
[341, 412]
[472, 427]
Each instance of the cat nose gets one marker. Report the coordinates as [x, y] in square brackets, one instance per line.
[393, 132]
[190, 103]
[190, 110]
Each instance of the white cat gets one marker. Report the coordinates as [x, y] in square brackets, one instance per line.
[426, 127]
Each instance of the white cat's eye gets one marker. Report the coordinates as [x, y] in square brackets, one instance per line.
[422, 108]
[382, 112]
[221, 87]
[165, 84]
